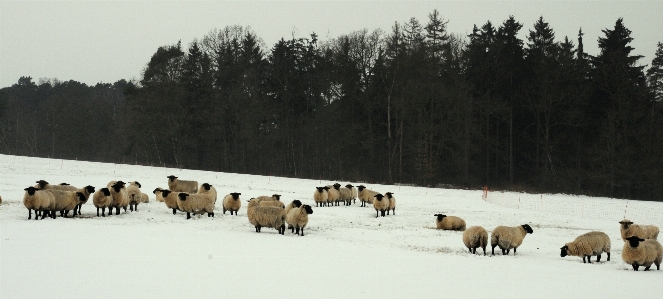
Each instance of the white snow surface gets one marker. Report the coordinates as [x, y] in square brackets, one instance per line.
[346, 253]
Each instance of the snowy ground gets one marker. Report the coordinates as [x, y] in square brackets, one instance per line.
[346, 253]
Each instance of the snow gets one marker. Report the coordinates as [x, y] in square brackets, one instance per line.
[346, 253]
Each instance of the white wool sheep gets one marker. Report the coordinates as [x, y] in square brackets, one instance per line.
[177, 185]
[170, 199]
[392, 203]
[344, 194]
[87, 191]
[320, 196]
[266, 216]
[120, 197]
[196, 204]
[157, 194]
[381, 204]
[475, 237]
[507, 237]
[640, 252]
[37, 200]
[642, 231]
[365, 195]
[587, 245]
[65, 201]
[232, 203]
[208, 189]
[135, 196]
[297, 218]
[449, 222]
[102, 199]
[332, 195]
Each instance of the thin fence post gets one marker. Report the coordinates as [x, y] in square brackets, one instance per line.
[625, 208]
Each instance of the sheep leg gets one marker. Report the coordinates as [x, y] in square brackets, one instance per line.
[493, 248]
[174, 211]
[608, 256]
[188, 215]
[110, 211]
[635, 266]
[382, 212]
[484, 250]
[647, 268]
[210, 214]
[387, 212]
[117, 211]
[257, 228]
[598, 258]
[514, 251]
[377, 213]
[297, 230]
[29, 214]
[282, 229]
[302, 231]
[131, 207]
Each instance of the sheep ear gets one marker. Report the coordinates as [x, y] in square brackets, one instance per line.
[641, 240]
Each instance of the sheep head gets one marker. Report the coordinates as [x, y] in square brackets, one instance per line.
[379, 196]
[527, 228]
[634, 241]
[564, 251]
[440, 216]
[89, 189]
[389, 194]
[183, 196]
[349, 186]
[42, 184]
[277, 196]
[361, 187]
[308, 209]
[105, 191]
[156, 190]
[337, 186]
[296, 203]
[206, 186]
[31, 190]
[626, 223]
[164, 193]
[320, 189]
[171, 178]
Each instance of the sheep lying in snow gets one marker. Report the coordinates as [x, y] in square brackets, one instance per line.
[208, 189]
[120, 197]
[643, 231]
[232, 203]
[365, 195]
[475, 237]
[196, 204]
[157, 194]
[266, 216]
[297, 218]
[509, 237]
[65, 201]
[144, 198]
[87, 190]
[392, 203]
[449, 222]
[170, 199]
[102, 199]
[177, 185]
[320, 196]
[380, 204]
[640, 252]
[37, 200]
[135, 196]
[587, 245]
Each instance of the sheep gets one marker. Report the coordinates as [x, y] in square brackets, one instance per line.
[120, 197]
[509, 237]
[332, 195]
[170, 199]
[43, 185]
[392, 203]
[365, 195]
[629, 229]
[87, 191]
[642, 252]
[266, 216]
[177, 185]
[354, 192]
[344, 194]
[196, 203]
[157, 194]
[587, 245]
[449, 222]
[274, 197]
[135, 196]
[232, 203]
[101, 200]
[294, 204]
[475, 237]
[270, 203]
[144, 198]
[65, 201]
[320, 196]
[380, 204]
[207, 188]
[297, 218]
[37, 200]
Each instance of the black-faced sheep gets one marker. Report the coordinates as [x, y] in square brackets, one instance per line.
[332, 195]
[294, 204]
[642, 252]
[392, 203]
[365, 195]
[381, 204]
[320, 196]
[38, 200]
[354, 192]
[170, 199]
[102, 199]
[87, 191]
[135, 196]
[208, 189]
[266, 216]
[120, 197]
[196, 204]
[449, 222]
[232, 203]
[507, 237]
[65, 201]
[297, 218]
[587, 245]
[157, 194]
[475, 237]
[642, 231]
[177, 185]
[344, 194]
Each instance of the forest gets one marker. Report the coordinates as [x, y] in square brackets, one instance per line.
[417, 105]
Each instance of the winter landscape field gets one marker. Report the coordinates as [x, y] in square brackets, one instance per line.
[346, 253]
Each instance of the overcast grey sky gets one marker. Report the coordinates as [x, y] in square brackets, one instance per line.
[104, 41]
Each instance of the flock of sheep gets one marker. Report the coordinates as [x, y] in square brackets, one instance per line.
[640, 245]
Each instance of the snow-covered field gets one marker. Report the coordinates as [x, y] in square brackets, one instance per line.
[346, 253]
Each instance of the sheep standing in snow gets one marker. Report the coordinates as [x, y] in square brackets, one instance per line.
[449, 222]
[320, 196]
[232, 203]
[206, 188]
[332, 195]
[294, 204]
[297, 218]
[380, 204]
[102, 199]
[507, 237]
[392, 203]
[640, 252]
[37, 200]
[157, 194]
[87, 191]
[365, 195]
[170, 199]
[65, 201]
[354, 192]
[587, 245]
[344, 194]
[135, 196]
[266, 216]
[177, 185]
[475, 237]
[120, 197]
[196, 204]
[643, 231]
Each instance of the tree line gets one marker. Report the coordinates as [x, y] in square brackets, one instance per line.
[417, 105]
